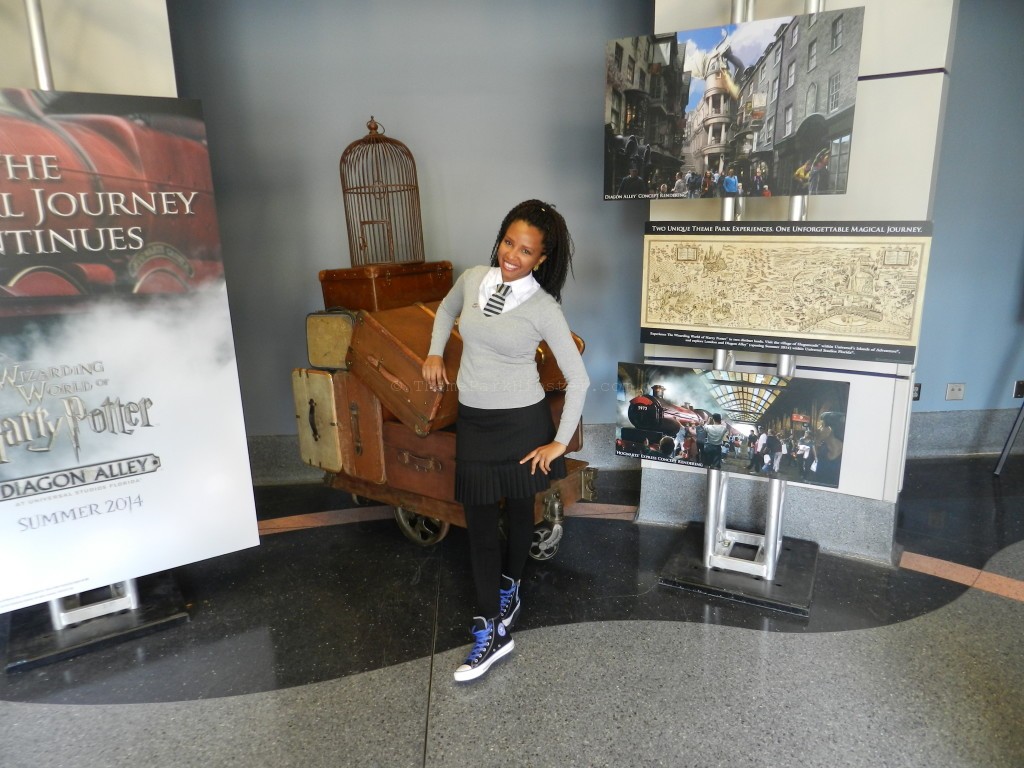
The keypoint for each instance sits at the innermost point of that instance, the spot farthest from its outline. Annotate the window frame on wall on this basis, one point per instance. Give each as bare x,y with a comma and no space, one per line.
839,162
791,75
837,33
811,99
812,55
787,116
834,85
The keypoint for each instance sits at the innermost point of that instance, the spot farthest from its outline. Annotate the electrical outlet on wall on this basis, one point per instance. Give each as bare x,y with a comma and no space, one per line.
1018,388
955,391
917,392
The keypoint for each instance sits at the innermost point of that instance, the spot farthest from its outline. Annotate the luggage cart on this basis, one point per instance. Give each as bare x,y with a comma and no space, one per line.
426,521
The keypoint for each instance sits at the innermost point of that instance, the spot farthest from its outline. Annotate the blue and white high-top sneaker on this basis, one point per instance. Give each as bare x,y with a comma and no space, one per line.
492,640
510,603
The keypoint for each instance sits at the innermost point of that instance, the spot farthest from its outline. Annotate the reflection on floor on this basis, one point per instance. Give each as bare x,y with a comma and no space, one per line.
337,595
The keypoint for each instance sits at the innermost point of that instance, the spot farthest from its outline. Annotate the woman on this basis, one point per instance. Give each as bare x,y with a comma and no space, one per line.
828,452
506,444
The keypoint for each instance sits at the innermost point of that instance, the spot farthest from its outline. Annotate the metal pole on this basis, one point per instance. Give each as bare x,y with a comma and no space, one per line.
37,37
724,358
773,526
1010,440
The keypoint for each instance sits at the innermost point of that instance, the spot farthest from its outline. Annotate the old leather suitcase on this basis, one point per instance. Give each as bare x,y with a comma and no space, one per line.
387,353
328,336
386,286
339,423
423,465
426,465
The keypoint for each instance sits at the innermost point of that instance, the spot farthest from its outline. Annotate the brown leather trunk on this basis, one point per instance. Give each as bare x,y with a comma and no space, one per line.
426,465
423,465
387,353
328,336
385,286
339,423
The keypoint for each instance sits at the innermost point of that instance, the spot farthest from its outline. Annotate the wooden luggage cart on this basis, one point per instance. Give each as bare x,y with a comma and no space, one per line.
426,520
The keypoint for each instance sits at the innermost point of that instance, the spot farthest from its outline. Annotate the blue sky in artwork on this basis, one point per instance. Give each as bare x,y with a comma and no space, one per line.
748,41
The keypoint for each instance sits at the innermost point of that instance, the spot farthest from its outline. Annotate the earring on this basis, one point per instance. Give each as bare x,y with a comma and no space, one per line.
536,267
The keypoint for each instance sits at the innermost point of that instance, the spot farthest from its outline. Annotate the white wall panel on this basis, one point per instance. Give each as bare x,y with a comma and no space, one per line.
106,46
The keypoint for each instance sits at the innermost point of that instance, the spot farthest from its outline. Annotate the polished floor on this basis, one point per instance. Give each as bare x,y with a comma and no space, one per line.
333,644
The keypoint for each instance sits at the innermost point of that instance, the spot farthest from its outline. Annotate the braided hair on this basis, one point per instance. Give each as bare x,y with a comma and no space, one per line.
558,246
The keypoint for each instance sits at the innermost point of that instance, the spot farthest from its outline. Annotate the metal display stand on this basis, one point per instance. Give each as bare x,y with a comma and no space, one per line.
740,565
78,623
1010,440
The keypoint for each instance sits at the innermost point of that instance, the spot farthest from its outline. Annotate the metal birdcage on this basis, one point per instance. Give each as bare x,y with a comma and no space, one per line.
382,200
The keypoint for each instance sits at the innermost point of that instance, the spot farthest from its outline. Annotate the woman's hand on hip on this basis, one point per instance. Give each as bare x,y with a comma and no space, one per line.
543,456
434,374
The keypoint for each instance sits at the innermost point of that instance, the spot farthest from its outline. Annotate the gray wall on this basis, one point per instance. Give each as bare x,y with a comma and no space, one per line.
973,323
500,101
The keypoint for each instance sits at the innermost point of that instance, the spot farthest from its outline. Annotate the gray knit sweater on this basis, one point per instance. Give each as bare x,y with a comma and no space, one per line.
498,367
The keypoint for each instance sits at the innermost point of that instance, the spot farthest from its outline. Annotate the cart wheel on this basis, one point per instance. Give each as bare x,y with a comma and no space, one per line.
545,542
421,530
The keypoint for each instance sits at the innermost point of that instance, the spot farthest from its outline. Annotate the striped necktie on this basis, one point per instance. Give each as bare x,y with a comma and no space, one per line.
497,301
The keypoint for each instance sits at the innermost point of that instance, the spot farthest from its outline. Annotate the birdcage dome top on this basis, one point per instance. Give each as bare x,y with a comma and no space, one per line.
381,194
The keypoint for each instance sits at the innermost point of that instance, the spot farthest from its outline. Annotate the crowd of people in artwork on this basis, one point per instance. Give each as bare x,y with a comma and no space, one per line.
810,177
812,457
804,455
665,431
694,185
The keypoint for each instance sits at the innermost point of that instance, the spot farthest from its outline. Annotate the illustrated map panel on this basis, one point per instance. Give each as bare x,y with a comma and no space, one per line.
850,290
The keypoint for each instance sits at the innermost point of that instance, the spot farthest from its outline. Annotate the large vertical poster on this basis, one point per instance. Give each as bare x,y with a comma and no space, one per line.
122,444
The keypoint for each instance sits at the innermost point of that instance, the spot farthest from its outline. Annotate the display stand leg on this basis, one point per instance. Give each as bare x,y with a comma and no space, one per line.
766,569
1010,440
70,626
66,611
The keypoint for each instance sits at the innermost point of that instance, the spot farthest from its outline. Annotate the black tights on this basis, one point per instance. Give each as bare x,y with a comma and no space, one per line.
488,559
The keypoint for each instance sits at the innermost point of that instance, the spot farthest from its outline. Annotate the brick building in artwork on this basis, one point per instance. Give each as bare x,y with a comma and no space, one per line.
795,104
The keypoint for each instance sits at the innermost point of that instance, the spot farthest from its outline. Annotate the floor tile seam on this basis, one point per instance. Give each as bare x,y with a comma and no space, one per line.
360,514
973,578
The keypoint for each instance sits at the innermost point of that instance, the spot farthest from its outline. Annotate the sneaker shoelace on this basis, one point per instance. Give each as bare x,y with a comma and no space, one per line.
483,638
507,596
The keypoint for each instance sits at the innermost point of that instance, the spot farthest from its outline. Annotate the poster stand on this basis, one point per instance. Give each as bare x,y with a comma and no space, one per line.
92,620
1010,440
78,623
718,568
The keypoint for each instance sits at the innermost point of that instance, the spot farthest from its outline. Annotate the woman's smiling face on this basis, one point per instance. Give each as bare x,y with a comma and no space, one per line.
520,250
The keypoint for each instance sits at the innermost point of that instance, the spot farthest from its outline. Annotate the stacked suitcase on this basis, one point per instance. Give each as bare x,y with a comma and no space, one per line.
362,411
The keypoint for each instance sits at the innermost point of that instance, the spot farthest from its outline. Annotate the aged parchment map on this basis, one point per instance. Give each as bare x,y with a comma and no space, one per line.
864,289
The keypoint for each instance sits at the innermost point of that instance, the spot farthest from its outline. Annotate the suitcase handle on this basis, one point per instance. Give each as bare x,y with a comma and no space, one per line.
419,463
396,383
312,420
353,418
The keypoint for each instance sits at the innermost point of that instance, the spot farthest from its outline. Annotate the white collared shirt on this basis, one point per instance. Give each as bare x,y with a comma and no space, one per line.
522,289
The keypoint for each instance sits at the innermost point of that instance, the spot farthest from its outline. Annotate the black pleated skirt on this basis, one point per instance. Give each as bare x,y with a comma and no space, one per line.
490,443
